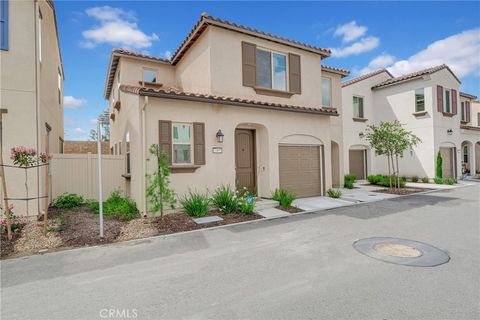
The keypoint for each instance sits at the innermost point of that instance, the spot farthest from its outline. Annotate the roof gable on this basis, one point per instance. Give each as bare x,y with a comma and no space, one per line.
366,76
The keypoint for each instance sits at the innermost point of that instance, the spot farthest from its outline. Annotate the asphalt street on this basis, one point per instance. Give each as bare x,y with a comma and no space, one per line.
299,267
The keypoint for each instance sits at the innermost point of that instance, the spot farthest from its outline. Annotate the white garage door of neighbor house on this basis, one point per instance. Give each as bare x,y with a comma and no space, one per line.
301,170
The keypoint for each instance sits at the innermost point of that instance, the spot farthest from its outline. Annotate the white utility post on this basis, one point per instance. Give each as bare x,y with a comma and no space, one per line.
100,187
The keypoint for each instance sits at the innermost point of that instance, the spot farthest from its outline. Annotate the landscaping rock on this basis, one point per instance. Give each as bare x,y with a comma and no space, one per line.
137,229
32,239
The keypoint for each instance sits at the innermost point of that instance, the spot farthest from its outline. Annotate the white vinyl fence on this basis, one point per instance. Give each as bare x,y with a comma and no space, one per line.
78,173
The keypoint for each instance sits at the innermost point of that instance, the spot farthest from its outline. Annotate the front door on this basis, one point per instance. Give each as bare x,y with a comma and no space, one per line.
245,159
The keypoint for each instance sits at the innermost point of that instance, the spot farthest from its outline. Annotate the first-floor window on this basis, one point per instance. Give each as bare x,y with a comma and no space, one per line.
448,101
182,143
465,154
419,100
358,107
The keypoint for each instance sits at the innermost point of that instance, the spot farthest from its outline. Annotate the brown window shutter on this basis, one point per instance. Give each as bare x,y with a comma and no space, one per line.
467,111
249,64
165,138
439,98
294,73
454,101
198,143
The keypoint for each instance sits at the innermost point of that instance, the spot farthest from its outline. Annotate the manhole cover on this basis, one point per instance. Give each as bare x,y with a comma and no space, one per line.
401,251
397,250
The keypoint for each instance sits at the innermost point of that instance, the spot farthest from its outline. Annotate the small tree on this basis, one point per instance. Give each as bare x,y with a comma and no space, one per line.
158,191
403,140
438,169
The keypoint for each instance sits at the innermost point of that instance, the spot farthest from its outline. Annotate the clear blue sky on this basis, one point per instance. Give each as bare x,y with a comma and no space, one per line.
404,36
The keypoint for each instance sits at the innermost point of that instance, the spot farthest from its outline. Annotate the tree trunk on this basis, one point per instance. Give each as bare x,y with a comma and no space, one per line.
389,171
398,171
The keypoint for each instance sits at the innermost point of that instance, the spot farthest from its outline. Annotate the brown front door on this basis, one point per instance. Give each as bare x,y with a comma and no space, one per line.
245,158
357,162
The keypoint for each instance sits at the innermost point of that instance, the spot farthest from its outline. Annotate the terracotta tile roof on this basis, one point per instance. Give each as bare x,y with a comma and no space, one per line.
174,93
342,72
415,75
468,95
365,76
206,19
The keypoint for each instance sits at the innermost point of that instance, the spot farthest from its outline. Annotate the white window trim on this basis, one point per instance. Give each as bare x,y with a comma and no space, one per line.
271,67
149,69
329,80
190,143
363,106
424,104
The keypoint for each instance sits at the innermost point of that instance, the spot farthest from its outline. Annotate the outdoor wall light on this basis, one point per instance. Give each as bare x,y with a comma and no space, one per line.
361,135
449,132
219,136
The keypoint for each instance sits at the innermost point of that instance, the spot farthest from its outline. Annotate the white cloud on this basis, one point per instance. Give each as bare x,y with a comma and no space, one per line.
167,54
117,28
71,102
363,45
460,52
379,62
79,131
350,31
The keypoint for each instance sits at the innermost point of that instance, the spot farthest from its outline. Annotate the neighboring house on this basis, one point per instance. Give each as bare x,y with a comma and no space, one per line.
31,87
428,103
71,146
233,106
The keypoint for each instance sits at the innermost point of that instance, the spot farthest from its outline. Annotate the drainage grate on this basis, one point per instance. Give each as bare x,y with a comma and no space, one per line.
401,251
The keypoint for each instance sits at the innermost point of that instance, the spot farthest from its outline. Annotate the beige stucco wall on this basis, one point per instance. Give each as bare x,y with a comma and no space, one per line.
29,92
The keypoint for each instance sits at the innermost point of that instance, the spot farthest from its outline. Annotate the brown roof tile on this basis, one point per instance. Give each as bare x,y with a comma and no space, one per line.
365,76
468,95
174,93
415,75
342,72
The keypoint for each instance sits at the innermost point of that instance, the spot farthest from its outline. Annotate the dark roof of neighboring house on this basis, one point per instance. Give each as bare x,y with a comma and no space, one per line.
415,75
173,93
468,95
365,76
342,72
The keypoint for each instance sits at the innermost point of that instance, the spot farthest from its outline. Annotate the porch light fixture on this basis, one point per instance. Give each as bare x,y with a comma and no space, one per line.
449,132
219,136
361,135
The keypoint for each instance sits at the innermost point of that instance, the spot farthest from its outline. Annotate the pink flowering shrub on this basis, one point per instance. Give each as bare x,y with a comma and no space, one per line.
27,157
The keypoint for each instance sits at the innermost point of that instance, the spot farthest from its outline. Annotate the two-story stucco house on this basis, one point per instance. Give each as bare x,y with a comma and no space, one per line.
233,105
31,84
428,103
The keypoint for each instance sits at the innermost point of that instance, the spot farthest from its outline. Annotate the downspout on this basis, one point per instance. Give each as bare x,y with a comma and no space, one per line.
144,158
36,9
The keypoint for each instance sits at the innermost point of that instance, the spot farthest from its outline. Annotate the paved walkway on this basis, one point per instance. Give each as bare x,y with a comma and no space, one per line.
300,267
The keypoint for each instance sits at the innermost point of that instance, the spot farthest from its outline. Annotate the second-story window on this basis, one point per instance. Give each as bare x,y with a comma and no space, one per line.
358,107
326,92
462,111
271,70
149,76
420,100
448,101
4,25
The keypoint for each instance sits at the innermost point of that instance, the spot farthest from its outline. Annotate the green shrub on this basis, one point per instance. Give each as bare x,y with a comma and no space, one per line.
438,180
247,203
403,178
284,197
425,180
334,193
195,204
349,179
116,206
375,179
348,184
384,181
225,199
414,179
438,168
68,201
449,181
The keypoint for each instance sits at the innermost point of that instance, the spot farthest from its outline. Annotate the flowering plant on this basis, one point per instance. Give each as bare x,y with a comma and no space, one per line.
27,157
247,203
15,222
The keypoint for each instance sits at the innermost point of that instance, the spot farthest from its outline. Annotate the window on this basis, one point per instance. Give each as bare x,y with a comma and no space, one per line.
465,154
478,119
149,76
127,151
182,143
358,107
4,25
326,92
40,18
420,100
271,70
448,101
59,87
463,111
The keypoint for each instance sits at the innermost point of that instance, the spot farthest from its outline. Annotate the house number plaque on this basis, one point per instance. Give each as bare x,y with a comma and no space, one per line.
217,150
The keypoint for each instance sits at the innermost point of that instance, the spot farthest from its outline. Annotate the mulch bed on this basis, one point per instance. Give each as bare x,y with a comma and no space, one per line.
178,222
7,247
402,191
290,210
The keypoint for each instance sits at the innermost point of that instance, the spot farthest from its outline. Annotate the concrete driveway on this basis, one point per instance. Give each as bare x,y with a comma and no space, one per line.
300,267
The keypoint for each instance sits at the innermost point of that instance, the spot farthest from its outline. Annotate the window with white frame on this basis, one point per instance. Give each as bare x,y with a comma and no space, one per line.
465,154
463,112
182,143
326,92
149,76
127,151
420,100
447,106
271,70
358,107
